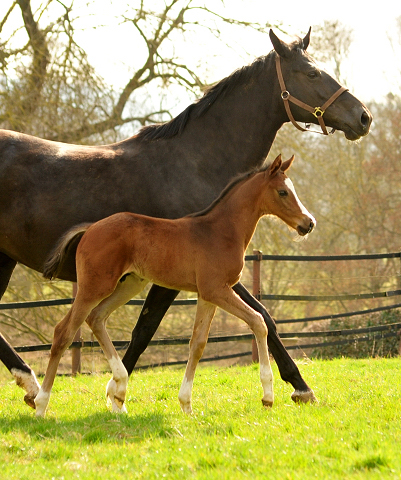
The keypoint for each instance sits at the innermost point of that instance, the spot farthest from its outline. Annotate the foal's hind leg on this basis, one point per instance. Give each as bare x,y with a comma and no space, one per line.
228,300
62,338
117,386
204,315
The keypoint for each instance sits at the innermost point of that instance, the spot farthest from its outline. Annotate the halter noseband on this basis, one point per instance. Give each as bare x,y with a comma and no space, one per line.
317,111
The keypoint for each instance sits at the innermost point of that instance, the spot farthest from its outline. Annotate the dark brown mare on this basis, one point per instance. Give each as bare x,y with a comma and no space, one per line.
203,253
166,171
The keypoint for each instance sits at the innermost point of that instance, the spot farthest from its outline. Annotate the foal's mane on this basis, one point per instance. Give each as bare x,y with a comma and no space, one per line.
242,177
199,107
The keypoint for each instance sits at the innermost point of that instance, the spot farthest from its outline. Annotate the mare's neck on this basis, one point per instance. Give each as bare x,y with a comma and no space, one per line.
236,132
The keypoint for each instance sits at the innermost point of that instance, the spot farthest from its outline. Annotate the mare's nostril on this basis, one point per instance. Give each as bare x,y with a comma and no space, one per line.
366,119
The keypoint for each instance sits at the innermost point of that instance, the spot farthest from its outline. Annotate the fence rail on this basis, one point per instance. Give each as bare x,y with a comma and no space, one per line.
394,329
391,330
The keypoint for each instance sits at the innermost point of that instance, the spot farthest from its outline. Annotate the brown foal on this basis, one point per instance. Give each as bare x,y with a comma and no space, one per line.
203,253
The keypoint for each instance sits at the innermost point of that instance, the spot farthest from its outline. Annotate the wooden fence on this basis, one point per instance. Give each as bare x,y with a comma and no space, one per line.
364,334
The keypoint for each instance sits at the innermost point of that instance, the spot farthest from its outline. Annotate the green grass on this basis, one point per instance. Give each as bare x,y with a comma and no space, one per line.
354,432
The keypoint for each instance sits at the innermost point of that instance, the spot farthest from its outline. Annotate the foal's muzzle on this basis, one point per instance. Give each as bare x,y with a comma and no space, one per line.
304,231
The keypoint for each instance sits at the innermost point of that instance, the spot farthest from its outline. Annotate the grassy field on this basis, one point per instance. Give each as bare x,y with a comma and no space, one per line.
354,432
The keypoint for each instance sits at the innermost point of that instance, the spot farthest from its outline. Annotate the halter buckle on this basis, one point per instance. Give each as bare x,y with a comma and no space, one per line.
285,95
318,112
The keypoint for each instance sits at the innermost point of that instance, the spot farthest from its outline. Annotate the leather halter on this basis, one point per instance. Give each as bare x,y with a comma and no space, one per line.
317,111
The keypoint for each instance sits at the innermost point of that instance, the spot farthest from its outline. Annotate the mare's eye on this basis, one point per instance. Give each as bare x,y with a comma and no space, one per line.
282,193
313,74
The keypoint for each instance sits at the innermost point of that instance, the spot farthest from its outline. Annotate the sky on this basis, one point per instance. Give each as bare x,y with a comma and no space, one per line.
372,70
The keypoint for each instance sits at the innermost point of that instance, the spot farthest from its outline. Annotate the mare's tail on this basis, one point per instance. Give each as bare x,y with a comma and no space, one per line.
56,259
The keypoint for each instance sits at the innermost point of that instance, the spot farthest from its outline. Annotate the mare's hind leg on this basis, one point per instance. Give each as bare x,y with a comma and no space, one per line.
228,300
155,307
23,374
63,335
125,290
204,315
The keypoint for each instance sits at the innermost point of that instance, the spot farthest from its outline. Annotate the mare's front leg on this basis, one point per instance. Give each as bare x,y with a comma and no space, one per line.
156,305
229,301
23,374
63,336
117,387
204,315
289,372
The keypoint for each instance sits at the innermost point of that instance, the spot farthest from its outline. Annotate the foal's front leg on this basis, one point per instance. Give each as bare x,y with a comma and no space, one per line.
229,301
204,315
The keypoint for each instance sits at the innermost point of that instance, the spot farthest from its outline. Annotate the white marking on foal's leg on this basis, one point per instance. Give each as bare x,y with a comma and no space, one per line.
185,395
117,387
41,402
29,383
266,378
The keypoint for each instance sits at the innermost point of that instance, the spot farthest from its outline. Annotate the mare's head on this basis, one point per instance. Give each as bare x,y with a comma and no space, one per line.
281,200
305,81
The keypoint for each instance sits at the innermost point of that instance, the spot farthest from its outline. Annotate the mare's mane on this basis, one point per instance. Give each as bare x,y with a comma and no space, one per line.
240,76
242,177
199,107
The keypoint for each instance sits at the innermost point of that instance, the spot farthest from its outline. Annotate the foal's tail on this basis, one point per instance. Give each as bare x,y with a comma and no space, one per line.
67,242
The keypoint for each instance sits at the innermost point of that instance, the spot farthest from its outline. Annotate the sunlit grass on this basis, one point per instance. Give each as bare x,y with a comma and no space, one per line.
354,431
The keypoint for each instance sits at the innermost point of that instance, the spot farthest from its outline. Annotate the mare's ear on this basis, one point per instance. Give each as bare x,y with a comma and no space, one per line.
281,47
306,39
287,164
275,166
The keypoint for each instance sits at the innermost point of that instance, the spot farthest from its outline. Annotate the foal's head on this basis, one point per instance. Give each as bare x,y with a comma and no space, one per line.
280,198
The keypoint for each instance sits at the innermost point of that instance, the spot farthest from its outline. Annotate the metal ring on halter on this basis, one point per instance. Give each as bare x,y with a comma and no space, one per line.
318,112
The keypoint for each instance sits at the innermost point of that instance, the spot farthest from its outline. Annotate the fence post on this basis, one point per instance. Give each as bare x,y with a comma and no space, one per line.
256,291
76,351
399,345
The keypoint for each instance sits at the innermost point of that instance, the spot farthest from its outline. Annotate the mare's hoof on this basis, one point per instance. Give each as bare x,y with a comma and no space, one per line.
29,399
304,397
29,383
267,403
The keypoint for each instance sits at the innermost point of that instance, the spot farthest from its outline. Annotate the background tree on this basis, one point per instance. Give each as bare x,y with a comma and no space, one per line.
50,89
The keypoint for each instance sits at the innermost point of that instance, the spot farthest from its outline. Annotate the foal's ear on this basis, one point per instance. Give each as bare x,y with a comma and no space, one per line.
306,39
287,164
281,47
275,166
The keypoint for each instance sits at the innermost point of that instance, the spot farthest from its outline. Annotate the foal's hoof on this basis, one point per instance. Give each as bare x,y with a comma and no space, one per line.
116,404
186,407
304,397
119,405
267,403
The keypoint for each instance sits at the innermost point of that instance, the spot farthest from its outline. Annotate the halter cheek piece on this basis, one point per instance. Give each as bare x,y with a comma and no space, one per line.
317,111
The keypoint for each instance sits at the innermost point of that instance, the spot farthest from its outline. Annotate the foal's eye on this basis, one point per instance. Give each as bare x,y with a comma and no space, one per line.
282,193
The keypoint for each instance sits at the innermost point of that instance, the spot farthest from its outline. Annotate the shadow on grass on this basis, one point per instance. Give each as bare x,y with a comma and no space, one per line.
97,428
